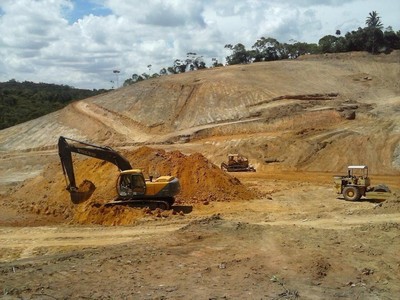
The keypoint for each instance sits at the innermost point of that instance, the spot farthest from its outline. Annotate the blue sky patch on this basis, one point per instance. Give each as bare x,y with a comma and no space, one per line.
83,8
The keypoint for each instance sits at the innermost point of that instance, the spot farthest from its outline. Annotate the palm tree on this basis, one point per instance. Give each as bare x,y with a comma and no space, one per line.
374,21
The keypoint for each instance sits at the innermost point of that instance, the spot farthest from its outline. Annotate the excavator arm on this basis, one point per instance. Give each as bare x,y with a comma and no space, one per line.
65,150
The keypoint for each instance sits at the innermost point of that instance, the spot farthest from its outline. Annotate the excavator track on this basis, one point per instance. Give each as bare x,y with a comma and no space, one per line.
152,204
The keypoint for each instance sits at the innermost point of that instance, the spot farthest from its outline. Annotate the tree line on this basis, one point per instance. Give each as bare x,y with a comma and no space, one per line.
371,38
24,101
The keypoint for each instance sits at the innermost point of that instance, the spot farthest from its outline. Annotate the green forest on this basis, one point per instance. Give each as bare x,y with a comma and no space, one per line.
24,101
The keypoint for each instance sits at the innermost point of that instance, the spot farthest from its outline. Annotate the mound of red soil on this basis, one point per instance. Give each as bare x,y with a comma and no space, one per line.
200,179
201,182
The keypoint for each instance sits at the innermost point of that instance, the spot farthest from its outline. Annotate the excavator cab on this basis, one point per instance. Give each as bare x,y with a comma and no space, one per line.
131,183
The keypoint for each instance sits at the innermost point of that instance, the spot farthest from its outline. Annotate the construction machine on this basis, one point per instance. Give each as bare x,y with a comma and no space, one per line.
131,186
357,184
237,163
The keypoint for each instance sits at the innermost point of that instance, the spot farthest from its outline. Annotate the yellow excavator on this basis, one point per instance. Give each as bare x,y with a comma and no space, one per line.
132,187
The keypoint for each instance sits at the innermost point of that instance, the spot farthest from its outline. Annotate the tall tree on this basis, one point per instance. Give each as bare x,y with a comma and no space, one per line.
216,63
194,62
267,49
240,55
179,66
374,26
374,21
327,44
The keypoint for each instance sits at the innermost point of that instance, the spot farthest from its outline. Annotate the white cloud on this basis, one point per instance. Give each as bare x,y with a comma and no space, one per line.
40,41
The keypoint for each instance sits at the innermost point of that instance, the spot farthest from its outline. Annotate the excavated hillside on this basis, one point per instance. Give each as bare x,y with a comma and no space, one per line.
316,113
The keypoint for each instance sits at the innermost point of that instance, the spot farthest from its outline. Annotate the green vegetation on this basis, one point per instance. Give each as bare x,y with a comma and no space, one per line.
24,101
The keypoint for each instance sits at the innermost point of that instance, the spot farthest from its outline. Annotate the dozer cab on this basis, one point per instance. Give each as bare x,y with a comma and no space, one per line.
356,184
237,163
131,186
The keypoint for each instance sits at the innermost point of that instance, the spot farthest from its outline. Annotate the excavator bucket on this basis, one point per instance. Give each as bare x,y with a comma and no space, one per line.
84,192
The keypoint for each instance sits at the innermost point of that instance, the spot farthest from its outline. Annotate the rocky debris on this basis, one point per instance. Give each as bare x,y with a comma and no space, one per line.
348,110
348,114
391,204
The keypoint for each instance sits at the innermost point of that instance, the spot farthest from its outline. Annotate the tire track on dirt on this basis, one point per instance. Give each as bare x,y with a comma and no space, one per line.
28,241
340,223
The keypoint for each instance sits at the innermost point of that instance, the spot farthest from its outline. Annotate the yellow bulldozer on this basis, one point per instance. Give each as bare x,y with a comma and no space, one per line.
237,163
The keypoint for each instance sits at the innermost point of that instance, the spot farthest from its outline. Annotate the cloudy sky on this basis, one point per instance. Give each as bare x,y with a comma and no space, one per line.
80,43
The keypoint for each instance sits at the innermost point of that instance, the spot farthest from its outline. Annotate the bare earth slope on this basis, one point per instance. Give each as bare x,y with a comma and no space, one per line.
299,106
279,233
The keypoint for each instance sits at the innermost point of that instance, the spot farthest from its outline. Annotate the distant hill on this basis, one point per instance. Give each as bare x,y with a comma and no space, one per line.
24,101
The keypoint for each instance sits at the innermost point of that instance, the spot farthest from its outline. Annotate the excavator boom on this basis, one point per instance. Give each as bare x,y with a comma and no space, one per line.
65,150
